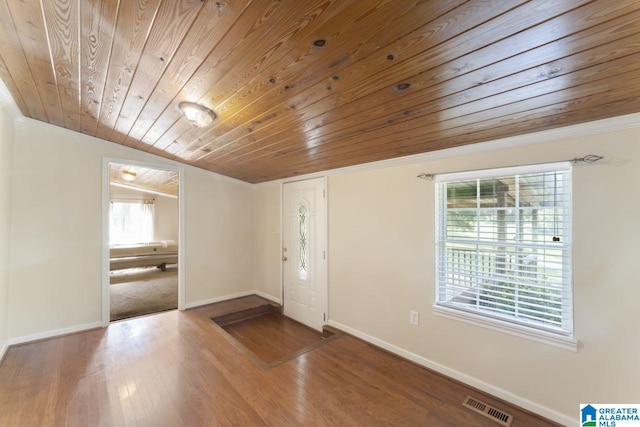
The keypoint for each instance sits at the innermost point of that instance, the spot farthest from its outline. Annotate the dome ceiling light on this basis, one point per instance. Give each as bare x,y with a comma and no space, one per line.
128,175
198,115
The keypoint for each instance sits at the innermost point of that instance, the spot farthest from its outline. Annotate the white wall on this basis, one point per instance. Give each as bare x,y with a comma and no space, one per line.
165,220
165,211
268,240
220,226
381,266
55,278
6,183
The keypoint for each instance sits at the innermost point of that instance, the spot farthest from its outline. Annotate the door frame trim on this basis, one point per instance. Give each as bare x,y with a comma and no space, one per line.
325,267
106,161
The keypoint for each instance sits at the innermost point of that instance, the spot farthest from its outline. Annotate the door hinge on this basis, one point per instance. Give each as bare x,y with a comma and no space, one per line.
325,317
324,255
324,193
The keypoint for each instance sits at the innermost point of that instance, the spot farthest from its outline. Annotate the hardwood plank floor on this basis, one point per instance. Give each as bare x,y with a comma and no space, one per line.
176,368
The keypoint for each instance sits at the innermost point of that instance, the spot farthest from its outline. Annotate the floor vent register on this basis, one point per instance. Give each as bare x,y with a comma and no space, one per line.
488,411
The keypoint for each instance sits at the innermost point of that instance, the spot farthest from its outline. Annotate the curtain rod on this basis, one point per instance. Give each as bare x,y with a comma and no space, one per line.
131,199
589,158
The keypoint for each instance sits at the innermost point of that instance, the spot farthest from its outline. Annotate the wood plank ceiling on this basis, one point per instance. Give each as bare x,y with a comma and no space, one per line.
300,86
144,179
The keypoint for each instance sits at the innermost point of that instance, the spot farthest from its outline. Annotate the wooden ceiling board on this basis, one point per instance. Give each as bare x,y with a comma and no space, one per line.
386,100
467,114
388,96
95,50
306,69
132,27
239,37
20,83
11,85
236,68
302,68
550,117
357,69
213,22
171,24
301,86
33,40
62,26
596,63
498,127
472,122
158,180
369,86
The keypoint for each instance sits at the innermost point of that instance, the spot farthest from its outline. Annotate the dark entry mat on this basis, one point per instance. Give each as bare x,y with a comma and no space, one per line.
268,337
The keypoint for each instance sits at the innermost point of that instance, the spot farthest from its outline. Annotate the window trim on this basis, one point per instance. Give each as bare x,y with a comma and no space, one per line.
561,338
539,335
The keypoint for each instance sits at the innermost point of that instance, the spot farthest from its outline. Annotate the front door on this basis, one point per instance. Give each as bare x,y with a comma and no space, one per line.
304,252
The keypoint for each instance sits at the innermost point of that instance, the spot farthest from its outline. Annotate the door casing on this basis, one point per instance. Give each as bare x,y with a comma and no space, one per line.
106,161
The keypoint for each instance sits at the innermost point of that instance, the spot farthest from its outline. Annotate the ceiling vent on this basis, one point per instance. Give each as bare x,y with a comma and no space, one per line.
488,411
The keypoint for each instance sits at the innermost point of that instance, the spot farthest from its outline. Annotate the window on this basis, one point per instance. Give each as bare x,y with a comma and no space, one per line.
503,248
131,221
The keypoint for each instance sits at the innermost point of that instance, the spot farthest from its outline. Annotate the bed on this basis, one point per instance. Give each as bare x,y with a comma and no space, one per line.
152,254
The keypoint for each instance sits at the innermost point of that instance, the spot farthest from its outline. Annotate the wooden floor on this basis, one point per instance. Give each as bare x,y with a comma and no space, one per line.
177,369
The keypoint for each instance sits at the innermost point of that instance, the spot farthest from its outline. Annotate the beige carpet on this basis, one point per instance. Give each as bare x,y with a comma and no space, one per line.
138,291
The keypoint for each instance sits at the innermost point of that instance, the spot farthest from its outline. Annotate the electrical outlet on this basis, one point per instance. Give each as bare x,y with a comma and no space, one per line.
414,318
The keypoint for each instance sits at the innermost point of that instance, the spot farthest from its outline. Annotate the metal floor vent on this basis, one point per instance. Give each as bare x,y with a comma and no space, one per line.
488,411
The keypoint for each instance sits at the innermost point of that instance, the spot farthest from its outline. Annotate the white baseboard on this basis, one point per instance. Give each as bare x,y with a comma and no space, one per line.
3,350
79,328
54,333
467,379
217,299
195,304
267,296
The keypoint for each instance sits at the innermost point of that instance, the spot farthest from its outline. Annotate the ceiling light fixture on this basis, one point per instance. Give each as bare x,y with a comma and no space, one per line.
198,115
127,175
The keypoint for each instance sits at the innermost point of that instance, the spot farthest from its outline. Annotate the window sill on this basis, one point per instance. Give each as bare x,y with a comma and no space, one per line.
544,337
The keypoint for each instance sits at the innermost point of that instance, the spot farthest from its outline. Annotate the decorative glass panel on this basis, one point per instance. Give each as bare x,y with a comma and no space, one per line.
302,228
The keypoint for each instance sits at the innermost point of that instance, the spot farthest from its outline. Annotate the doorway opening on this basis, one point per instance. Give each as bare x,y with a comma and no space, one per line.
141,228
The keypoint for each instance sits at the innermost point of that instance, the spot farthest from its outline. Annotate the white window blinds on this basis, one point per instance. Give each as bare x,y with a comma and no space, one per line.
503,245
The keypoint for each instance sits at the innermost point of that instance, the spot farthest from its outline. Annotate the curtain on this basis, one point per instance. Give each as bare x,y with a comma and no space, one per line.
146,221
131,221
